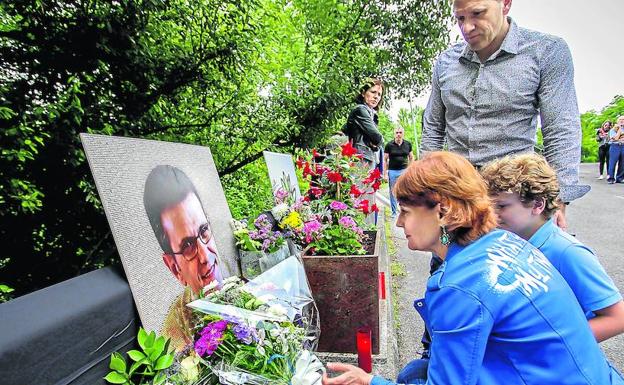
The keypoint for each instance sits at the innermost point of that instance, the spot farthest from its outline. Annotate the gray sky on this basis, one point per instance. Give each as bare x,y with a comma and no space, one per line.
594,31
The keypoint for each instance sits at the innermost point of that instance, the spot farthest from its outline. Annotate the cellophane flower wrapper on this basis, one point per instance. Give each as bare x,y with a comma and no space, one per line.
261,332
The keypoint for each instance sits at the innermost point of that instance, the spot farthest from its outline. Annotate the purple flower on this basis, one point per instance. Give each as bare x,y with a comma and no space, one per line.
210,338
347,222
244,333
261,221
337,205
220,325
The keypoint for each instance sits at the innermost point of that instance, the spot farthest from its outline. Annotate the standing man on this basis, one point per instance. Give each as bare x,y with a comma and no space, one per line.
397,156
488,92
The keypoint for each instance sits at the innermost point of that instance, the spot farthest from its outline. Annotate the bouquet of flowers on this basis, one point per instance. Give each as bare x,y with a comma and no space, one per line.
254,333
260,247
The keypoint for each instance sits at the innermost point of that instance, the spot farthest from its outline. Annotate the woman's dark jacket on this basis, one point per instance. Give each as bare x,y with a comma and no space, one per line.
361,128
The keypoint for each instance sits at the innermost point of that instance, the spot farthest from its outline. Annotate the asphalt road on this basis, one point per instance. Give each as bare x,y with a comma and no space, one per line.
596,219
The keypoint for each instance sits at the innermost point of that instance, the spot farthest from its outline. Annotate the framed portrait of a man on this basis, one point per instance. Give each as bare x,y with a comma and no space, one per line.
171,223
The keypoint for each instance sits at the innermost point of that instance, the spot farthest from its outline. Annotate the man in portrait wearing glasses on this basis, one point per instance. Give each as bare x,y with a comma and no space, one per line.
185,237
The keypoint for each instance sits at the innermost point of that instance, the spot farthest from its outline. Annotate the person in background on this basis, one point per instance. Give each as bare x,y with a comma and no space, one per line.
497,309
525,193
602,137
361,127
616,152
397,156
488,91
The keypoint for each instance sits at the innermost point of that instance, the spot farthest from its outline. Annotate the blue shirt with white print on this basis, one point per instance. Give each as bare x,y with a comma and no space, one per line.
499,312
590,283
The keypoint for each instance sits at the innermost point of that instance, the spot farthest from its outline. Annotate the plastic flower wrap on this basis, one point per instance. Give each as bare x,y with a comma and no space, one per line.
259,332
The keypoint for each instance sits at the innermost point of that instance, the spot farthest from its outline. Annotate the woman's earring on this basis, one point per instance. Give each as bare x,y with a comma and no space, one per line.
445,237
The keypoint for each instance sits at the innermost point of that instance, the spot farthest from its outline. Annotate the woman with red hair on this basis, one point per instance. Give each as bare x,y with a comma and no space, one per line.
497,310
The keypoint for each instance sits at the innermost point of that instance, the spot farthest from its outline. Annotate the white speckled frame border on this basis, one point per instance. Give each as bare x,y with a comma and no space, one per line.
120,167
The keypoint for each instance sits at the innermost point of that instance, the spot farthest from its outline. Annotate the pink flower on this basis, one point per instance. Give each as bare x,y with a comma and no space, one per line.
337,205
347,222
311,229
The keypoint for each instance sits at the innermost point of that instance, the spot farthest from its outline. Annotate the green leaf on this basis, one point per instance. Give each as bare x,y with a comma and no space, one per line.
116,378
157,349
149,341
164,362
117,363
142,337
136,355
136,365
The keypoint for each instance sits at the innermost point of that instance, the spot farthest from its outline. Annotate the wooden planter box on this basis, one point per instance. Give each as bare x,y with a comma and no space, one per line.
346,291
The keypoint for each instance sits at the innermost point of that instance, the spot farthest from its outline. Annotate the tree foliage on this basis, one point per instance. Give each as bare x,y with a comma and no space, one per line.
237,76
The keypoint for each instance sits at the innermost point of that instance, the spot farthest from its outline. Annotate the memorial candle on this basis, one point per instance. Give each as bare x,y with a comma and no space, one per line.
365,349
382,285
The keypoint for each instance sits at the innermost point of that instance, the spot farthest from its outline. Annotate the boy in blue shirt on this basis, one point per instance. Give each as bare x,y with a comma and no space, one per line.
525,193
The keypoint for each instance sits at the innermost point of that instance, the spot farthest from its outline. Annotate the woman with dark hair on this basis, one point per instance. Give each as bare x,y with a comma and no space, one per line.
361,126
497,310
602,137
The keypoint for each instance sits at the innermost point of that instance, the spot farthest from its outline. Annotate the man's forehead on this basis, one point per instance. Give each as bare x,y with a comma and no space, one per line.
460,6
187,210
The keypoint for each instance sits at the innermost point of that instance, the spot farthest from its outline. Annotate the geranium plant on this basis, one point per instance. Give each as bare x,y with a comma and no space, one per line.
330,218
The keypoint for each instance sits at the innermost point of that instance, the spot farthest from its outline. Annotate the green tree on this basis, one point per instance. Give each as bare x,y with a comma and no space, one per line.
238,76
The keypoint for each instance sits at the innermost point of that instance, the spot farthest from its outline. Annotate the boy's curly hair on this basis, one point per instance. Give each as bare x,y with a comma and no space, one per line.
527,175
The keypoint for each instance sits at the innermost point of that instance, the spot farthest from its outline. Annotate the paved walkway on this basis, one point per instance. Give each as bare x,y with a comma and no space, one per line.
590,219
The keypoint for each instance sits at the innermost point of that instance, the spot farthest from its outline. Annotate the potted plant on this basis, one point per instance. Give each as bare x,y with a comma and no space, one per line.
260,247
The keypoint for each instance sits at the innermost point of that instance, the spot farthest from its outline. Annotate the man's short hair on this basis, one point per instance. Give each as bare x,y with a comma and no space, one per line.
165,186
527,175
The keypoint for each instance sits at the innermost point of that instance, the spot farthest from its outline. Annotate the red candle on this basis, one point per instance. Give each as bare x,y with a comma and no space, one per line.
365,349
382,285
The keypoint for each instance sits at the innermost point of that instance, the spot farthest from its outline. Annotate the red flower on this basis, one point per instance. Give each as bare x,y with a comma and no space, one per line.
316,191
374,208
334,176
348,149
314,153
299,162
307,170
372,176
376,185
320,169
355,191
363,206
